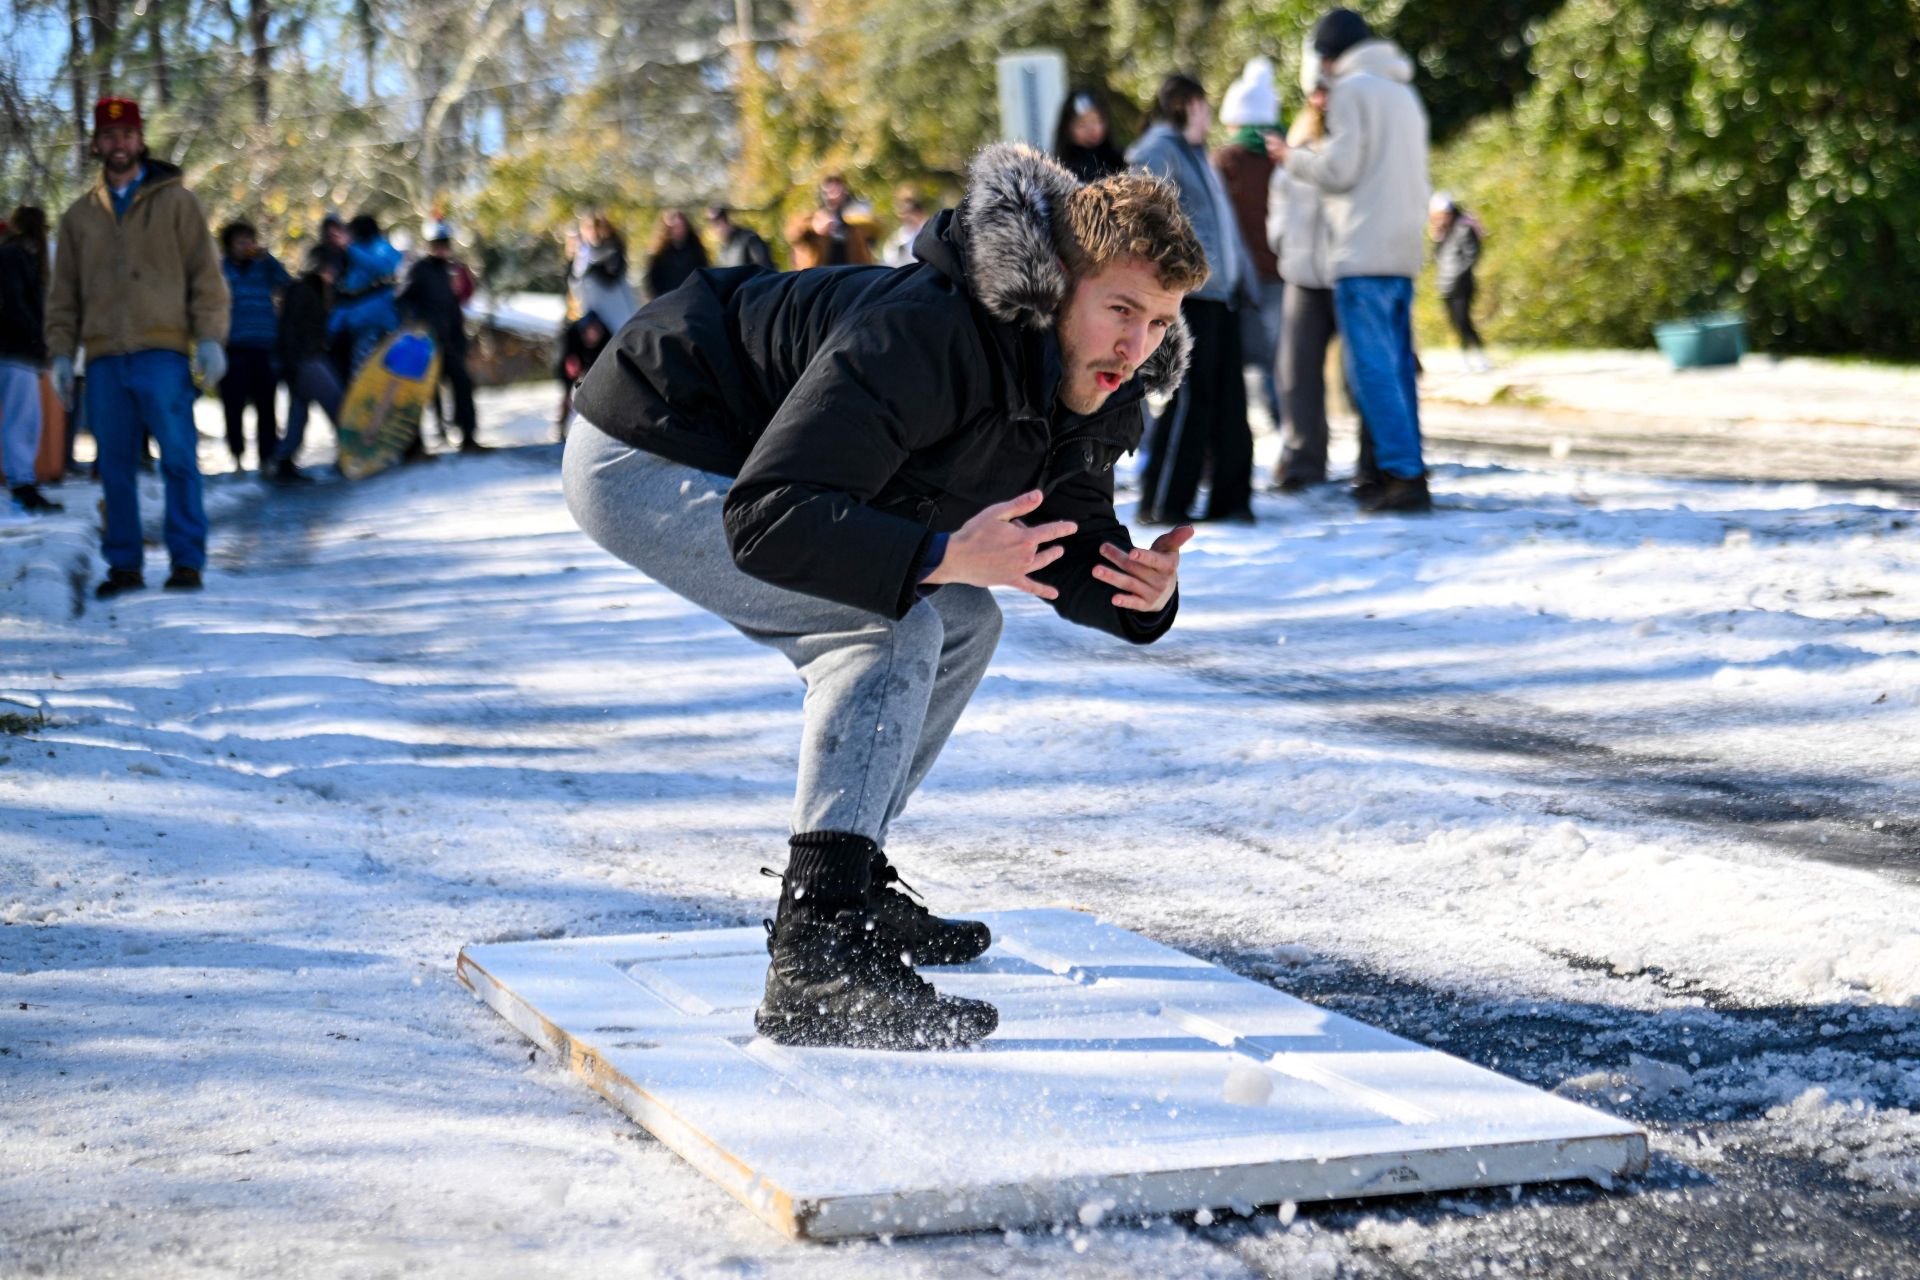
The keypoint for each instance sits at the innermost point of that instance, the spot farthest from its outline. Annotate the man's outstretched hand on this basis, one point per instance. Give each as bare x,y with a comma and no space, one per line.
1146,576
995,549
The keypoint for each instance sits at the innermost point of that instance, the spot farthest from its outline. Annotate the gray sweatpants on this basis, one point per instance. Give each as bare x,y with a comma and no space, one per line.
882,696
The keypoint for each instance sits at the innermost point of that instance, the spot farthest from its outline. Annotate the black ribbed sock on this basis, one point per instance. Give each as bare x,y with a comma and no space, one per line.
829,869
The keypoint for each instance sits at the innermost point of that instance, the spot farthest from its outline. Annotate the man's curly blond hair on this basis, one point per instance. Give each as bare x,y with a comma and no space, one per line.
1133,215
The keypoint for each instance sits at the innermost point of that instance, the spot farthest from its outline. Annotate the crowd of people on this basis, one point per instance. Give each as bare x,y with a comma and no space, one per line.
1310,232
134,301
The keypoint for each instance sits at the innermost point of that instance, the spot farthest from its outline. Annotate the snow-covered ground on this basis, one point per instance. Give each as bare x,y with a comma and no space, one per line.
1603,780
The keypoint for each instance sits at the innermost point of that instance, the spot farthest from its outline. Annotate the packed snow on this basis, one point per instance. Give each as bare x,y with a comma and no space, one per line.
1604,780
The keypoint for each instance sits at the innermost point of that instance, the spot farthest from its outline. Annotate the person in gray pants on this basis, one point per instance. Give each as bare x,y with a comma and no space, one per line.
1298,233
841,463
882,694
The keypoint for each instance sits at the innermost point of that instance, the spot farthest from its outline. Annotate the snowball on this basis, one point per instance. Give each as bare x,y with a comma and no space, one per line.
1247,1086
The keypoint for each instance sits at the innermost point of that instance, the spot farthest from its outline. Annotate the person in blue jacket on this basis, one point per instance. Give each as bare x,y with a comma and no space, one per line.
255,279
364,299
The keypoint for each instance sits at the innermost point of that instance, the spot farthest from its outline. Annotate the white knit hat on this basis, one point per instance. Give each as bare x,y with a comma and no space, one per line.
1251,99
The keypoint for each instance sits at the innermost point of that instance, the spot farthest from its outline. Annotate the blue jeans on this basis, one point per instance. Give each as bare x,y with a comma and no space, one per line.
147,392
1376,329
313,382
1260,328
19,421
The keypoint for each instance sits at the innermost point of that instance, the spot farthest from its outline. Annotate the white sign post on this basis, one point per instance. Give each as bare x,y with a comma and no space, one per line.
1033,84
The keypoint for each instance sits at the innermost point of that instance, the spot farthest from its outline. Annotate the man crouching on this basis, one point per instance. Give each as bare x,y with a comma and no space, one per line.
840,462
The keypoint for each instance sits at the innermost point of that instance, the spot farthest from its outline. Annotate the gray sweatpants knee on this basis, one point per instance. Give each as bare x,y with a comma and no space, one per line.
883,695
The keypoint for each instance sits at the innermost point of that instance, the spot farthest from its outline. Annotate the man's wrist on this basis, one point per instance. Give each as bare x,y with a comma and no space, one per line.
935,556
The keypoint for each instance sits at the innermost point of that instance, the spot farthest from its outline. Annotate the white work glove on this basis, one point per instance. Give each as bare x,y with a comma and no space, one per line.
63,379
213,363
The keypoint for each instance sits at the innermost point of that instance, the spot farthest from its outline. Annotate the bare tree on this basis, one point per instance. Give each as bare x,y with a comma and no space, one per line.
77,30
157,52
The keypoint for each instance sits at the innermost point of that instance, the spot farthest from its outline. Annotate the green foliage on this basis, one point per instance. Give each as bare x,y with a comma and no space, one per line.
1574,256
1757,157
1471,57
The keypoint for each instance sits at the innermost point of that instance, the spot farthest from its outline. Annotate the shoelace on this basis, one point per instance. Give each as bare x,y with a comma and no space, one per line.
889,876
875,959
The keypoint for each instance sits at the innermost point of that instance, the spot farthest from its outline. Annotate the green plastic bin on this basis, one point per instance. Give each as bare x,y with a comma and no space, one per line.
1701,341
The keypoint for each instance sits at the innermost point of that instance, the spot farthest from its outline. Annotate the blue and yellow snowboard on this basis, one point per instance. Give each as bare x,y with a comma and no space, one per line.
381,417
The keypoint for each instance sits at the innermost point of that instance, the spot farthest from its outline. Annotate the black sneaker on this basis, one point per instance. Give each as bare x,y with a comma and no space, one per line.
30,500
838,979
1397,493
928,938
119,582
183,578
286,473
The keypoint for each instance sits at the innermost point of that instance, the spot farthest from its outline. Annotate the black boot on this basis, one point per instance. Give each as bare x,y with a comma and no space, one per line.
928,938
1295,482
838,977
119,582
30,500
1398,493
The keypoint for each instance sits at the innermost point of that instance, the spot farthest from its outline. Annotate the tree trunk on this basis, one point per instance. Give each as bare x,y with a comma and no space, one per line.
363,20
450,90
258,11
157,50
77,80
103,21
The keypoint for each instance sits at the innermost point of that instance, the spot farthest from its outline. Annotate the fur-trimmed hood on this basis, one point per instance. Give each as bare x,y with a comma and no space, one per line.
1006,237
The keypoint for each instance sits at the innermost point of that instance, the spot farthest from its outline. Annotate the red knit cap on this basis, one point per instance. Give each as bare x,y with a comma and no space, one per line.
116,113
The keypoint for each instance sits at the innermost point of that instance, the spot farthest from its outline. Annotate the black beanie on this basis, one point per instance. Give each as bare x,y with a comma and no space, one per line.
1338,32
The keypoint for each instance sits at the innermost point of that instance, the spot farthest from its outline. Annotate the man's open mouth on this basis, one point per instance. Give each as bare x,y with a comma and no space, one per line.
1108,380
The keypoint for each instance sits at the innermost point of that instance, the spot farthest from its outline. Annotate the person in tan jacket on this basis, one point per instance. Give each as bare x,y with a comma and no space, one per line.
137,283
838,233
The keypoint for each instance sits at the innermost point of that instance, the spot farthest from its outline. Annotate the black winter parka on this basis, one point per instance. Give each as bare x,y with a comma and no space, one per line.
303,322
429,299
861,410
